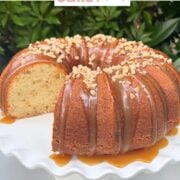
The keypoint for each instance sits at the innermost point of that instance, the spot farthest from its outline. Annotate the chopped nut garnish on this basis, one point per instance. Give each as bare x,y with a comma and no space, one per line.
76,57
136,89
92,92
131,56
132,96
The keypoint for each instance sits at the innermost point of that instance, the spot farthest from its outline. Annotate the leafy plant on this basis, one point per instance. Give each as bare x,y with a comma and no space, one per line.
163,30
40,22
1,48
103,19
177,64
155,23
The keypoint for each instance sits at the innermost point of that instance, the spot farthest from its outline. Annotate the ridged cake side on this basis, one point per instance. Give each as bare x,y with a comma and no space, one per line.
134,93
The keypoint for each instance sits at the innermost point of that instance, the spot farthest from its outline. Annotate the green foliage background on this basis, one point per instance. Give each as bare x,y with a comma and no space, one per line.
155,23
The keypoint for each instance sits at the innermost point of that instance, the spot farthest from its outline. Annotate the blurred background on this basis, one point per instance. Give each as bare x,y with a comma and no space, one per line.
155,23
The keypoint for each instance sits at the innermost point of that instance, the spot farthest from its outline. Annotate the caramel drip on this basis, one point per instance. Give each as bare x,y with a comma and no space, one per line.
104,50
90,105
80,54
150,96
163,99
91,51
173,132
127,131
119,114
67,62
84,53
61,159
64,114
7,120
115,92
74,51
138,104
107,60
92,119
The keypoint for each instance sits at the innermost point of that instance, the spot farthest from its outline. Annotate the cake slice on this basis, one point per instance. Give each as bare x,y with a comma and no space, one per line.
31,85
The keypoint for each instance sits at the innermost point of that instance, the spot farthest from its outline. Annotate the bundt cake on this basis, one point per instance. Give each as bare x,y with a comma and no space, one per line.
111,95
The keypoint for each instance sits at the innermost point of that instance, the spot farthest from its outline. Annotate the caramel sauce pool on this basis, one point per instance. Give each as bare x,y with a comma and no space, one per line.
60,159
121,160
7,120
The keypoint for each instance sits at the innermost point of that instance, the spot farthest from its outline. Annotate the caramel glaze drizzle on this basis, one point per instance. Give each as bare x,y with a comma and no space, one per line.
141,79
152,84
90,106
115,92
134,123
63,113
119,114
107,60
163,99
128,129
84,52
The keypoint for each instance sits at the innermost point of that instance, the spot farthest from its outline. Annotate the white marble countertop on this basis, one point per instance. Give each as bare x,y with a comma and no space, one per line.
11,169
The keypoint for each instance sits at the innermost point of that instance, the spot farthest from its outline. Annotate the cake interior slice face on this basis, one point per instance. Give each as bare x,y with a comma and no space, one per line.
33,90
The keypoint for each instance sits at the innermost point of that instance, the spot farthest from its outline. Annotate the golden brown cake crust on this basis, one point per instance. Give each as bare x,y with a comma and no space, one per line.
118,96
